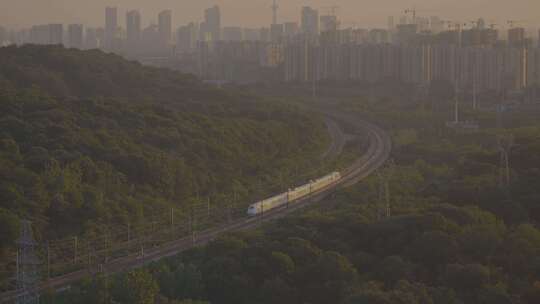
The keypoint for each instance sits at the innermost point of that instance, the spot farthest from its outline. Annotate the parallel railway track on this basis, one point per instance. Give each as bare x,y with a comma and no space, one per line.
376,155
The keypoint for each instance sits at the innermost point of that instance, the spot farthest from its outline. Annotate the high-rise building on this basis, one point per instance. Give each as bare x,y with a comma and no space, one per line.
252,34
516,37
264,34
436,25
75,36
329,23
92,38
406,32
232,33
3,35
481,24
276,32
379,36
133,27
165,26
291,29
212,22
186,38
423,24
39,34
403,20
111,25
391,23
310,21
150,40
56,34
471,37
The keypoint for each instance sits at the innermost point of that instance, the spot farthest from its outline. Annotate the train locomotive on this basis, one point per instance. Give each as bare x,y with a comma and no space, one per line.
293,194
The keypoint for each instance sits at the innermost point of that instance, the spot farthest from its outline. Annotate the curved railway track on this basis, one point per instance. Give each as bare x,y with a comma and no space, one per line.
376,155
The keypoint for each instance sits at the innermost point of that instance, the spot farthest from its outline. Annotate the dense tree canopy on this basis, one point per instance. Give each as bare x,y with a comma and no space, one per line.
88,139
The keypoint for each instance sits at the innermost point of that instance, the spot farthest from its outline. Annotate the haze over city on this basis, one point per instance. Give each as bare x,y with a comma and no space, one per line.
366,13
269,151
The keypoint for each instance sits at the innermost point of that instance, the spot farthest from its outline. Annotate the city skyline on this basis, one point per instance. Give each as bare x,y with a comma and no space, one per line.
17,15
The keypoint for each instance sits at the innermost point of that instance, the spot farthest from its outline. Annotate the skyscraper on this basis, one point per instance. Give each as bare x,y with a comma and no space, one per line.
212,22
232,33
75,36
3,35
186,38
92,38
329,23
436,24
291,29
310,21
516,37
165,26
40,34
391,23
276,32
56,34
111,25
133,27
252,34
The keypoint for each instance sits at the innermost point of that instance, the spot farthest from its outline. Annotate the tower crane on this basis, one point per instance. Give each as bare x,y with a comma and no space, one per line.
513,23
412,11
331,9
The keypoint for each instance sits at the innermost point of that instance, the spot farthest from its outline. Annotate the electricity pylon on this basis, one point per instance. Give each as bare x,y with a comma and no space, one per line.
505,144
384,208
27,266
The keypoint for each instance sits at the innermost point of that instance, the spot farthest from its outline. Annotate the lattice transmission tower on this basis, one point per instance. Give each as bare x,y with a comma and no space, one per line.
27,266
384,175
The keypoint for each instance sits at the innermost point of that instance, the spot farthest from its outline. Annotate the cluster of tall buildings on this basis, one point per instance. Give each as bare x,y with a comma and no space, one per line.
415,50
132,39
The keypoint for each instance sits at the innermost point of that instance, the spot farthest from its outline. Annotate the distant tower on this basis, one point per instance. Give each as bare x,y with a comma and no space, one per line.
27,266
111,25
274,12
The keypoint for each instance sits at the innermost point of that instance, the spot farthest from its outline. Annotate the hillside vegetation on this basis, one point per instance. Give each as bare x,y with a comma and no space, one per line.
88,140
459,232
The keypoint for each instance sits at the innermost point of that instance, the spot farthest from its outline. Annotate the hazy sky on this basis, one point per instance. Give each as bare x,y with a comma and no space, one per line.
366,13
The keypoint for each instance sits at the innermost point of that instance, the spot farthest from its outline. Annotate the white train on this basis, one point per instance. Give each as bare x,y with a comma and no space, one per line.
293,194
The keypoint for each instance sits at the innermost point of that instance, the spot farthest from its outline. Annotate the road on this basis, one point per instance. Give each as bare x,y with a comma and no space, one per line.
376,155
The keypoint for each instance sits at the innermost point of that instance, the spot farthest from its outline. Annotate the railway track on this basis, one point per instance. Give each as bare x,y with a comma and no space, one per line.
376,155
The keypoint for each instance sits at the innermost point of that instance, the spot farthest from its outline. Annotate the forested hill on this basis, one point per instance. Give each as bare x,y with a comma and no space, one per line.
62,73
88,140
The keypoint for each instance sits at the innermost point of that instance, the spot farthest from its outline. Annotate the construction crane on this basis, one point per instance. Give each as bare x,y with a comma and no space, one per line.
513,23
413,12
332,10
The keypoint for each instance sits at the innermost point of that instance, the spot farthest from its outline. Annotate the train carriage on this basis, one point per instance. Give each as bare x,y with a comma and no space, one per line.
293,194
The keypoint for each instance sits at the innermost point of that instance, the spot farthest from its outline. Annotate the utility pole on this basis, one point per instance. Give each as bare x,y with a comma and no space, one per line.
172,219
505,144
48,261
475,80
456,104
208,208
75,250
27,266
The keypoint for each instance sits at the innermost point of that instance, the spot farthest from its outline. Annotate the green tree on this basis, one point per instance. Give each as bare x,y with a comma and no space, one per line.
136,287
